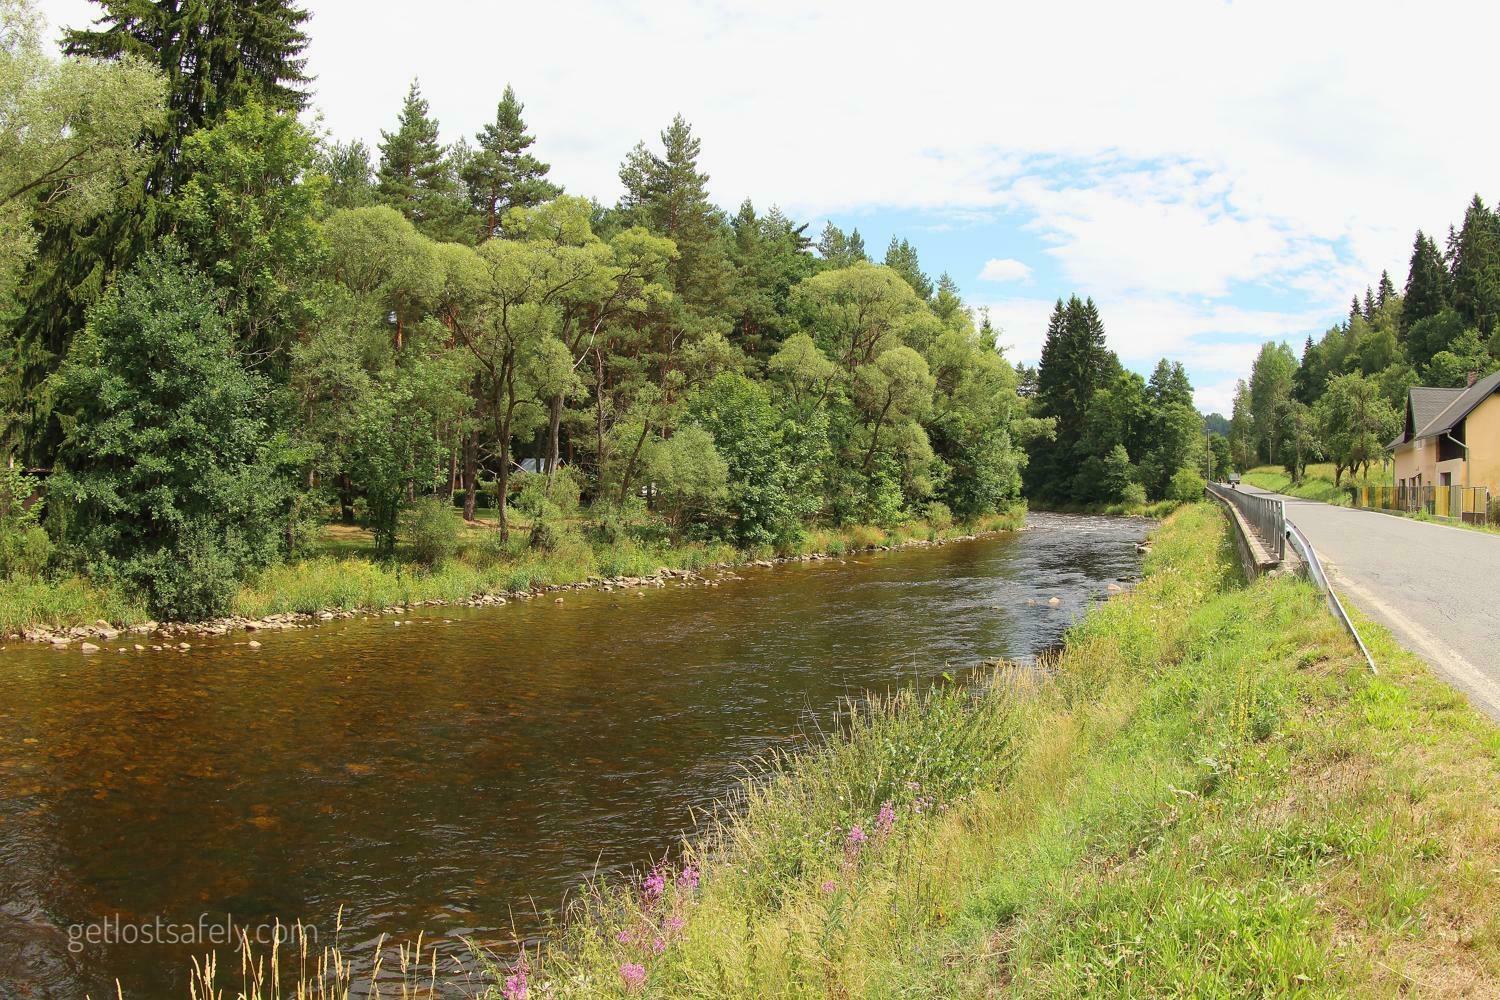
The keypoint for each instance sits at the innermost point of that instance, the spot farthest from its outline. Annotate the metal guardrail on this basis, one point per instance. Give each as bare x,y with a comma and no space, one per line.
1319,578
1269,514
1470,504
1266,516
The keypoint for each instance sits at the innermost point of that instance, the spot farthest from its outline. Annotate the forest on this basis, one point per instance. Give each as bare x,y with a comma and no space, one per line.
1344,399
225,329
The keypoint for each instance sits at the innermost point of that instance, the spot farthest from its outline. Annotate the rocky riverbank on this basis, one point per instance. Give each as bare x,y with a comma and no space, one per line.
102,635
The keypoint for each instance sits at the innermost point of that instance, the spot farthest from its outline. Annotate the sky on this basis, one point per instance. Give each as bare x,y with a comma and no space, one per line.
1213,174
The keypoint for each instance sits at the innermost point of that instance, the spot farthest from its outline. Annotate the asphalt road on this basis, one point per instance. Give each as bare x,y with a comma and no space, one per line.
1436,587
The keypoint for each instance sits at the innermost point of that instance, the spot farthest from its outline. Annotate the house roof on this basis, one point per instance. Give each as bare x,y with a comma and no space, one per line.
1433,411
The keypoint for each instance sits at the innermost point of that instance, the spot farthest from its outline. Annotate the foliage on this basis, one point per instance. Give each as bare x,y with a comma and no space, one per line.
431,529
172,476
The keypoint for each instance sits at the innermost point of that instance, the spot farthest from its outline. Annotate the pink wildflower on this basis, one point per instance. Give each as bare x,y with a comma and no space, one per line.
515,985
829,886
886,821
675,925
658,946
634,975
688,877
856,835
624,937
655,884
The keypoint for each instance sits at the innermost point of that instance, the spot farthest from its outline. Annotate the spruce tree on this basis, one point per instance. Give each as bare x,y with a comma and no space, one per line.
901,257
1386,292
501,174
1369,306
1475,260
414,176
1075,365
857,247
1426,283
833,245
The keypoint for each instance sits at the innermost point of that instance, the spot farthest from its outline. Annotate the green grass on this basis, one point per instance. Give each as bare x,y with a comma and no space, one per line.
1317,484
63,603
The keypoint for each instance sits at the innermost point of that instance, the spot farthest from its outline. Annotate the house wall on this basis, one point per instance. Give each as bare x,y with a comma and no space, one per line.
1483,431
1419,458
1405,462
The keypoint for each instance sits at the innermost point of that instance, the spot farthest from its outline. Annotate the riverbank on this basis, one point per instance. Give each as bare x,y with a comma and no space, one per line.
1211,795
348,584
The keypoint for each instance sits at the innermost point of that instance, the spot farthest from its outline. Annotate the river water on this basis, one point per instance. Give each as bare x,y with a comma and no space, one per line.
461,772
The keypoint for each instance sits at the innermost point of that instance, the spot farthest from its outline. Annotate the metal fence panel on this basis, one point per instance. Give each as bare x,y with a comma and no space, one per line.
1466,503
1267,516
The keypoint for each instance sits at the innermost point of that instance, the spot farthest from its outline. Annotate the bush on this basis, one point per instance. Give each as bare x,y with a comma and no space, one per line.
1186,485
24,552
939,517
431,531
1134,495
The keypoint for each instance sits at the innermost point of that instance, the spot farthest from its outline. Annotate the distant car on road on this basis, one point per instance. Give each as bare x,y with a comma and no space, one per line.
1234,480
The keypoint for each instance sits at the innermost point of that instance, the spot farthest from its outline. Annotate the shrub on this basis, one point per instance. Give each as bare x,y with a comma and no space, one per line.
939,517
431,531
1186,484
1134,495
24,552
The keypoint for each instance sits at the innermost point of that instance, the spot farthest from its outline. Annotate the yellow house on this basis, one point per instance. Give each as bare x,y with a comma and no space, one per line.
1451,437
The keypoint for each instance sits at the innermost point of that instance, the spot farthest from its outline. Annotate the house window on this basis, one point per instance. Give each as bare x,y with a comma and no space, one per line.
1445,479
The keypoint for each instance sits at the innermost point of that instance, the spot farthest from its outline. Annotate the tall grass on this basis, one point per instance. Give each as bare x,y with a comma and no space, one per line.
63,603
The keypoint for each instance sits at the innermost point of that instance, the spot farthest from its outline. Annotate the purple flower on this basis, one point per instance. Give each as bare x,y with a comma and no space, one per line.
655,884
886,821
829,886
856,836
658,946
688,877
634,975
675,925
624,937
515,985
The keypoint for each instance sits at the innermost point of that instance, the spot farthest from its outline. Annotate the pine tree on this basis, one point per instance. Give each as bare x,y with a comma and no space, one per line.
1426,283
1475,259
1369,306
1354,310
501,174
414,176
668,194
857,247
1304,380
901,257
1386,292
833,245
1075,365
948,304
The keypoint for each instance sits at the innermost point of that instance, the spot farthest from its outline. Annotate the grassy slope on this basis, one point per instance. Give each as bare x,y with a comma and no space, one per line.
344,575
1212,798
1317,484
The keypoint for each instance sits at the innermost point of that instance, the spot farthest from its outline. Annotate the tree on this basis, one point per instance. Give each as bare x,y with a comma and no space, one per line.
856,312
688,476
1354,423
414,176
1427,291
248,218
901,257
172,474
1295,437
1451,367
350,174
1221,457
1432,335
1271,380
1474,258
501,174
1075,365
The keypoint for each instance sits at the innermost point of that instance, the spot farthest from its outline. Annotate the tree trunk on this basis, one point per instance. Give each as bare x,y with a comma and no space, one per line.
346,498
471,473
635,454
554,421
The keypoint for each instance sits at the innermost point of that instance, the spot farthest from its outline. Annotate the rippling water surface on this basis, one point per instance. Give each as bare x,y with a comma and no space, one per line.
461,773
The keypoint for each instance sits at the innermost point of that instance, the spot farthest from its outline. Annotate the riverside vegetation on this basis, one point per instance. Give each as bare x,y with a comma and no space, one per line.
1206,794
221,330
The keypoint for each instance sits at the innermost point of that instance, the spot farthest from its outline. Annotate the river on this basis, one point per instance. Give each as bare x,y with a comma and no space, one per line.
461,772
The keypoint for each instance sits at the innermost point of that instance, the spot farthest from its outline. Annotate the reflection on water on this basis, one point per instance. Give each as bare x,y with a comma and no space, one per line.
460,773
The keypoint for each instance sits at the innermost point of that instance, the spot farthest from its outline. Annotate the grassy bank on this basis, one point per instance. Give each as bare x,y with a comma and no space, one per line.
343,573
1211,797
1317,484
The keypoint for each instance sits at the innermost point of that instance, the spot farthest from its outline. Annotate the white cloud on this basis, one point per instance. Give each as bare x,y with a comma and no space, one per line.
1004,269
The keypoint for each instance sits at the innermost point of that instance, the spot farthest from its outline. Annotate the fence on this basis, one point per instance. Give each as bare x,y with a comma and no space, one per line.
1266,516
1460,503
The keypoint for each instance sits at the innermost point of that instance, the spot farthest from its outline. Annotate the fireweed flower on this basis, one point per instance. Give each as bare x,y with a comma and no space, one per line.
829,886
688,877
634,975
856,836
655,884
675,925
624,937
658,946
515,985
886,821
